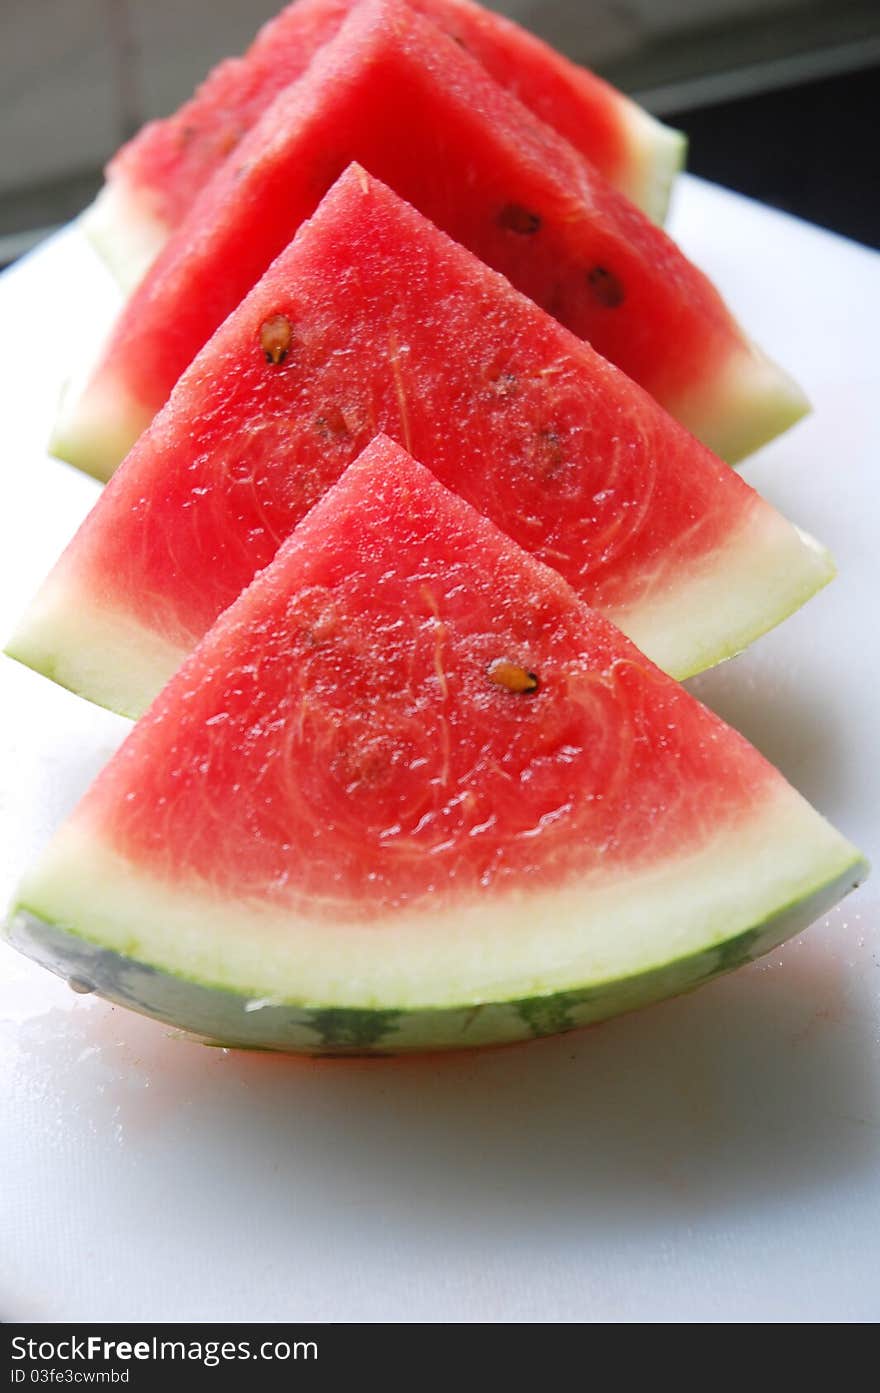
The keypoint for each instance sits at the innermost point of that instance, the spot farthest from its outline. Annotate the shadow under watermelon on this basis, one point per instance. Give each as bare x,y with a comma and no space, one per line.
756,1093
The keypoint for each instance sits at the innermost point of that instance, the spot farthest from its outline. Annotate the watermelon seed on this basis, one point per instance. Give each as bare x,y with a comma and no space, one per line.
275,336
512,676
606,287
515,218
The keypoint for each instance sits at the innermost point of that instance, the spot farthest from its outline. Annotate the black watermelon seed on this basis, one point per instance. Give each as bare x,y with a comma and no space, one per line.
515,218
606,287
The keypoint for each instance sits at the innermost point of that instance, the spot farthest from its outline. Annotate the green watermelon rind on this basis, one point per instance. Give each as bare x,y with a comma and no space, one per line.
221,1015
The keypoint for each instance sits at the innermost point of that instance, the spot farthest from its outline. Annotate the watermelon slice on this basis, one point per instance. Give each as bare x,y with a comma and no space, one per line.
154,180
373,320
410,793
408,103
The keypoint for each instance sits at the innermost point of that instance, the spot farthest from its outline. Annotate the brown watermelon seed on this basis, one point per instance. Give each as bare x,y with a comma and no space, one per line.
515,218
511,676
606,287
275,336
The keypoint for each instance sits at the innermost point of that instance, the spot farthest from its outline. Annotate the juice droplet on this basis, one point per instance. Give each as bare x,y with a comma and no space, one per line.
81,987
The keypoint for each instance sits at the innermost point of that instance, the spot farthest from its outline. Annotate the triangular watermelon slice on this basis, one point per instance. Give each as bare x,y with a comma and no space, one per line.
153,180
417,111
373,320
410,793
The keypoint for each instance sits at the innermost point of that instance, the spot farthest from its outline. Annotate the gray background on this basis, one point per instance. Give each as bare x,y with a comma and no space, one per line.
78,76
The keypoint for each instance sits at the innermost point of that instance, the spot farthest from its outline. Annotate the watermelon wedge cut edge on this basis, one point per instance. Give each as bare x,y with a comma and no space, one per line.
78,644
128,235
756,398
124,231
669,931
98,423
290,849
155,177
662,156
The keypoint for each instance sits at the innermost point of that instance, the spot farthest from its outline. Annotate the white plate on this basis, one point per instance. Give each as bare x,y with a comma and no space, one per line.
716,1158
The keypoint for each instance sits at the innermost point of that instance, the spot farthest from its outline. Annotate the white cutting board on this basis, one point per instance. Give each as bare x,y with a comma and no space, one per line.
716,1158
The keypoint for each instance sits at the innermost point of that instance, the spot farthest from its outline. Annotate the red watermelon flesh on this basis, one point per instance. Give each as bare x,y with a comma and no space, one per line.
373,320
404,100
371,644
161,171
408,772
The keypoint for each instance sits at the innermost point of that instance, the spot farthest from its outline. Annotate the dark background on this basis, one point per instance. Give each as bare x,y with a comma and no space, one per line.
810,149
778,97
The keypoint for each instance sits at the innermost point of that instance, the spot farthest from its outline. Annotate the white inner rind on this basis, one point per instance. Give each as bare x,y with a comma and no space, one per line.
98,652
128,236
502,946
98,422
729,597
656,155
691,619
734,410
124,231
740,408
